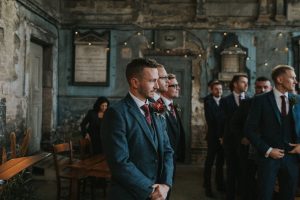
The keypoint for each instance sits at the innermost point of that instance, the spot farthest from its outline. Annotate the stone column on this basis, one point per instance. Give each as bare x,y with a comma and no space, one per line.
279,10
263,14
200,13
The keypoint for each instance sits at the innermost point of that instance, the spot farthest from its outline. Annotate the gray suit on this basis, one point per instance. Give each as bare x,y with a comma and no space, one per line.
135,158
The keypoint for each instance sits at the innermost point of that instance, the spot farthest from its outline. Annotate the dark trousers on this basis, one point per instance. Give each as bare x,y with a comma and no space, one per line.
214,152
232,173
248,170
286,169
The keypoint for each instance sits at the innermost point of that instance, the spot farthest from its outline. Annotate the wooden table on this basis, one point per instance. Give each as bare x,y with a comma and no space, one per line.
14,166
94,166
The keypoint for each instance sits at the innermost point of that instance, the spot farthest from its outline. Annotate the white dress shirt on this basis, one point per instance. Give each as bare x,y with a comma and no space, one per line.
139,102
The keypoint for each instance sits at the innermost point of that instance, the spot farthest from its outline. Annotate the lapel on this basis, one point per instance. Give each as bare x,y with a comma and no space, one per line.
271,98
158,130
136,113
172,121
232,102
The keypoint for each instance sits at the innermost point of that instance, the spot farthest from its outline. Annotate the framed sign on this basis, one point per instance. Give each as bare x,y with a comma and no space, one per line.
91,58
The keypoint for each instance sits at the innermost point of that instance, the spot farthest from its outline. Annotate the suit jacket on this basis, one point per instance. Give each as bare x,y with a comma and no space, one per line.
178,136
228,107
136,163
239,118
213,115
264,122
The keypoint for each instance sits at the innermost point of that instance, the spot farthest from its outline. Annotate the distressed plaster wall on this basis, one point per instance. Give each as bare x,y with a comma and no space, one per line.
262,28
18,26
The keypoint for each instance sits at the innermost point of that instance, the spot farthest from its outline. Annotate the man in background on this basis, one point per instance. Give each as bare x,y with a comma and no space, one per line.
246,152
215,150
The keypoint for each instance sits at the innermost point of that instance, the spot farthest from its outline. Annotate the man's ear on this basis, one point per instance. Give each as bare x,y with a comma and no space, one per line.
279,79
134,82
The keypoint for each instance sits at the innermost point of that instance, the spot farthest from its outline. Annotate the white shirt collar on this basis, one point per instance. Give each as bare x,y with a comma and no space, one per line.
138,102
167,102
277,93
156,96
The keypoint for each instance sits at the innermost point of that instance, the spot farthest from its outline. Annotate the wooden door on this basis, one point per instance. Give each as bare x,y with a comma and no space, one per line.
36,96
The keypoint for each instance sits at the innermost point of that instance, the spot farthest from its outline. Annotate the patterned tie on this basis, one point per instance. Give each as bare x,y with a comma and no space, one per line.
283,106
160,101
146,110
172,109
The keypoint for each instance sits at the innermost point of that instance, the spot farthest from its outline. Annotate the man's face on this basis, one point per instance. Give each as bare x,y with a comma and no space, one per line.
163,80
288,80
241,85
147,83
217,90
262,87
173,90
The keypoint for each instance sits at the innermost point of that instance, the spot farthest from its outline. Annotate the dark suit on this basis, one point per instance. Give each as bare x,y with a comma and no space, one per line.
266,128
247,163
213,115
228,107
135,158
176,135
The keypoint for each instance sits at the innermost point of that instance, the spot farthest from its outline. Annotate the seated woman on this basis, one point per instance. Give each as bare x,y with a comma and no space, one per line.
91,124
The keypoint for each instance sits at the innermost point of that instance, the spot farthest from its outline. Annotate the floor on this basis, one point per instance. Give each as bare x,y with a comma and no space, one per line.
187,186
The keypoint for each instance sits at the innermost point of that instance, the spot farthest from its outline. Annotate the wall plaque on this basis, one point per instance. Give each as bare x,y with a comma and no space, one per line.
91,55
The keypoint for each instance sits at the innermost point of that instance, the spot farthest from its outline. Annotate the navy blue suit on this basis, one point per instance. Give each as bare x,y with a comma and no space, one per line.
228,107
213,115
265,127
135,158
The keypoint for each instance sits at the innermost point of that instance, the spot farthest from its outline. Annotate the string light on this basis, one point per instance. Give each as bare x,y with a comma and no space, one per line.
90,44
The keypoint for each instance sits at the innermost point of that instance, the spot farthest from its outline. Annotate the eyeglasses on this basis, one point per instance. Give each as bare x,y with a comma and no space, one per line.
174,85
164,77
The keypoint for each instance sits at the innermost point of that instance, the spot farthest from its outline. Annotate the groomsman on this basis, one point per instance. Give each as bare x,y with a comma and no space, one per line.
174,125
135,141
246,152
229,104
273,126
215,150
163,83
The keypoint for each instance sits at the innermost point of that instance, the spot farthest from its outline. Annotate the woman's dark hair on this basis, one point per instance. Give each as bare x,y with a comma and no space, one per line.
100,101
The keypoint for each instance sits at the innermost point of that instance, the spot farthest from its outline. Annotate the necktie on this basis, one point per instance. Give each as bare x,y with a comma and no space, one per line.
172,110
160,101
283,106
146,110
240,99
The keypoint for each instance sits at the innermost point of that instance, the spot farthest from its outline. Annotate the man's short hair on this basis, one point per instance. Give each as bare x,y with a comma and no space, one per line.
136,67
262,78
279,70
235,79
213,83
171,76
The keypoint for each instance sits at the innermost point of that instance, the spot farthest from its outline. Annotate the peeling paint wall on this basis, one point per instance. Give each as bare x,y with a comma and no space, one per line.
18,26
261,26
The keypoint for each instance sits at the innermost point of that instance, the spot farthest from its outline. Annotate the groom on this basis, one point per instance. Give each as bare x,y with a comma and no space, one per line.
273,127
135,141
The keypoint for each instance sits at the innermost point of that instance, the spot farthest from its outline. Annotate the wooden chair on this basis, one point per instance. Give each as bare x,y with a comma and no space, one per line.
3,155
13,146
63,171
85,148
25,143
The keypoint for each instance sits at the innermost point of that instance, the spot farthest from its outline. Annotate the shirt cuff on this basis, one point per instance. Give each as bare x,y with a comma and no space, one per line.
268,152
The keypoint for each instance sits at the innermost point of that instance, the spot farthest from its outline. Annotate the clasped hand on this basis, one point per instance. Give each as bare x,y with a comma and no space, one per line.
160,192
